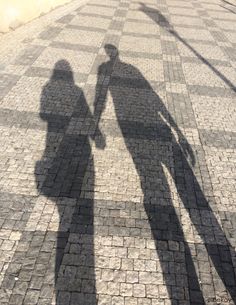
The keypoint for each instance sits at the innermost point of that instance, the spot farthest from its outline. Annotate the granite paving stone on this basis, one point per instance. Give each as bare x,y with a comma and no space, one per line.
118,149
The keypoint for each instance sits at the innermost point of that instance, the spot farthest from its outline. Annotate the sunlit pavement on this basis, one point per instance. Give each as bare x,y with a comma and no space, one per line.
117,147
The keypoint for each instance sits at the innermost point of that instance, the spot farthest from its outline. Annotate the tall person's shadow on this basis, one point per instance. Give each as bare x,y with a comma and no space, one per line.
146,127
60,176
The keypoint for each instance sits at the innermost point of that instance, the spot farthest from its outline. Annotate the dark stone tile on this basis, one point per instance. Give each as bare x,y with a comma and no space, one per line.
169,48
29,55
66,19
75,47
31,120
46,73
50,33
173,72
85,28
151,36
230,52
218,138
7,81
120,13
94,14
141,54
210,91
15,208
116,25
209,61
218,36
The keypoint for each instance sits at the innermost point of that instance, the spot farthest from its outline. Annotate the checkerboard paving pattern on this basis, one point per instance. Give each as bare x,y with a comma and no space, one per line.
118,149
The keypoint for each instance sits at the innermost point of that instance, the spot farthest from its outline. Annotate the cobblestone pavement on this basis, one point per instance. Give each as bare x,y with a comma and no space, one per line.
118,142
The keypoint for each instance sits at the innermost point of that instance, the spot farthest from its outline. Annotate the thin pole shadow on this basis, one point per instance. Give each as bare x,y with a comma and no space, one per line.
138,108
228,2
161,20
228,9
59,176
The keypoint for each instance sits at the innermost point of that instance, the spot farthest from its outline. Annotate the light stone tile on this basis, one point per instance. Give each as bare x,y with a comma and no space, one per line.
25,95
144,45
81,37
182,11
105,2
179,3
221,165
226,25
196,74
135,27
219,113
97,22
23,160
213,52
222,15
119,175
199,34
103,11
184,20
80,61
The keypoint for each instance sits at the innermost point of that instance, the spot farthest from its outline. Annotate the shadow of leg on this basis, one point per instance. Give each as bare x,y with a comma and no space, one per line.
211,233
179,273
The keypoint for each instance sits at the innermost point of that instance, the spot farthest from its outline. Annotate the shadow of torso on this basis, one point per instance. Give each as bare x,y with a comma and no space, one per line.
139,111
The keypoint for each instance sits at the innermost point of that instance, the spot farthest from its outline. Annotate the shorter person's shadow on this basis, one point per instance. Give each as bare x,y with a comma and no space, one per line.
60,176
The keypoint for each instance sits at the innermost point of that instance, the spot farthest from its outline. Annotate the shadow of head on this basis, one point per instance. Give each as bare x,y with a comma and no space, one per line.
60,94
62,71
111,51
155,15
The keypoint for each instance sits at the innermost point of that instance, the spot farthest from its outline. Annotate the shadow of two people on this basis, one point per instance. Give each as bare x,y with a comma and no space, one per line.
62,171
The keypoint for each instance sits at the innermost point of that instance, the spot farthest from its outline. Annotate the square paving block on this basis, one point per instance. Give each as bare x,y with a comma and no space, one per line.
95,22
74,36
79,61
142,44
